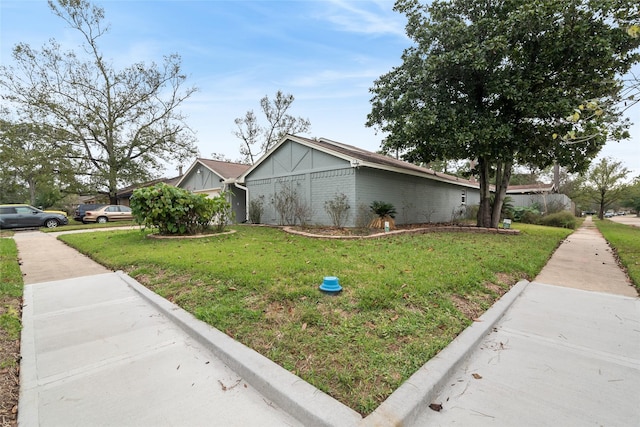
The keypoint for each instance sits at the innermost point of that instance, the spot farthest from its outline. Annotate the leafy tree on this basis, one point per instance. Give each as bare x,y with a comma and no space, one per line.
495,80
632,196
258,139
125,122
605,183
32,161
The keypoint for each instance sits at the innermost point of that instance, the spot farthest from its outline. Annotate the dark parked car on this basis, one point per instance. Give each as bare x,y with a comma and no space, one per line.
26,216
78,215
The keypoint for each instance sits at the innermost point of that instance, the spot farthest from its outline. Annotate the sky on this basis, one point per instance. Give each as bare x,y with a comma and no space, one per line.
326,53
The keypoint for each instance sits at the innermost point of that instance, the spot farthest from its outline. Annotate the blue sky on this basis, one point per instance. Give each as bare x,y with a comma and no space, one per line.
326,53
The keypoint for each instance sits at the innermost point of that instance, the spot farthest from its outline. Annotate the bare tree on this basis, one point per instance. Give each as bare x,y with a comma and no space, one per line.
125,122
258,139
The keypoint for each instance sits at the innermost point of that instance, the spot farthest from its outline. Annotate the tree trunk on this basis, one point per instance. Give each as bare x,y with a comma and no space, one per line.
32,191
602,205
503,175
484,212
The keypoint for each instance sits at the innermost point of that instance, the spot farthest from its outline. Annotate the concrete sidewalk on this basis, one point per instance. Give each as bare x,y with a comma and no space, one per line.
566,353
96,353
100,349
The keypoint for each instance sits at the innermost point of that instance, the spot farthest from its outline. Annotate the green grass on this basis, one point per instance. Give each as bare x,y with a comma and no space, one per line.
10,290
625,240
405,297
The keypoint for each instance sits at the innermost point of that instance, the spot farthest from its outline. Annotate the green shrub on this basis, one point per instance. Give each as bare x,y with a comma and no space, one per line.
383,209
529,217
176,211
564,219
222,213
531,212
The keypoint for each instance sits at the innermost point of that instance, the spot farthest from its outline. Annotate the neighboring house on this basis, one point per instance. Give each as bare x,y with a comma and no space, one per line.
212,177
125,194
319,170
543,196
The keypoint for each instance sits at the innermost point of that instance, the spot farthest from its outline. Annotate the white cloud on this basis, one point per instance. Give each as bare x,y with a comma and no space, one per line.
360,17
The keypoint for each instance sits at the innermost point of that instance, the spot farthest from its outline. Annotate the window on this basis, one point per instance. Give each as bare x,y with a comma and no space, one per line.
464,197
24,210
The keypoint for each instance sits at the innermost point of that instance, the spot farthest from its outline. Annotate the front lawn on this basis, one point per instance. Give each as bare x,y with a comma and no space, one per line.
404,297
625,240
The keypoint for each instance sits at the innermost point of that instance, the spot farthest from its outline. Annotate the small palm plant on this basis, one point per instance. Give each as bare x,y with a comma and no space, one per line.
385,212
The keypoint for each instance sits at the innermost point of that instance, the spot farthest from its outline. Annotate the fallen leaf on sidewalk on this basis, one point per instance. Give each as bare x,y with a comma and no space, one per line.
436,407
476,376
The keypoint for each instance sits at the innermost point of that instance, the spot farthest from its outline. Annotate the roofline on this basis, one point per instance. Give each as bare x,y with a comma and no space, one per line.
197,161
356,162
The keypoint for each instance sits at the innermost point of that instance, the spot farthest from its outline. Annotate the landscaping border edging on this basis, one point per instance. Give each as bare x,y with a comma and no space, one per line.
422,230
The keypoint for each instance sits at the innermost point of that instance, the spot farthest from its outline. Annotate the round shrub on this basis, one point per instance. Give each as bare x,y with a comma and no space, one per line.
177,211
564,219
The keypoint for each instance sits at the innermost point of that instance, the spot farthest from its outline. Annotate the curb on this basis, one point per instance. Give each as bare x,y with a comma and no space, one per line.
312,406
417,393
292,394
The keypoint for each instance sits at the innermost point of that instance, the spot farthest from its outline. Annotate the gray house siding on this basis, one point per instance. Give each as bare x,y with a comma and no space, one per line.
313,174
416,199
205,180
326,186
317,177
292,158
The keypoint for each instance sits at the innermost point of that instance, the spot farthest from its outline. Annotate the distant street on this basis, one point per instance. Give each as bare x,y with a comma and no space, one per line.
627,220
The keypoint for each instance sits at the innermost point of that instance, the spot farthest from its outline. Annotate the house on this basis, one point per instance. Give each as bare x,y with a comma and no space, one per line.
545,197
318,170
212,177
125,194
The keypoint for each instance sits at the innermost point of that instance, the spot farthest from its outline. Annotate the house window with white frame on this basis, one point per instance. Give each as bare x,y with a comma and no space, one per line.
464,197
